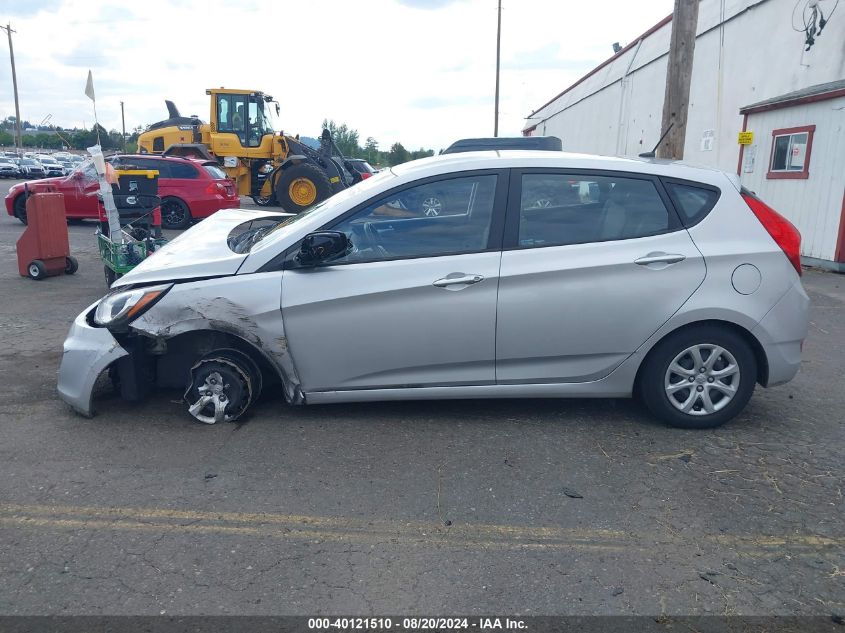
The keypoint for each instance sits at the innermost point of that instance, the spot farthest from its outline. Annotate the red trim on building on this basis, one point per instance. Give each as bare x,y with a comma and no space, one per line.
822,96
742,147
656,27
792,175
839,254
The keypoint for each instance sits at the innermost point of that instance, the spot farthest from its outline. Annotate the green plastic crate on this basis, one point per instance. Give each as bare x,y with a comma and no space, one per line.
122,258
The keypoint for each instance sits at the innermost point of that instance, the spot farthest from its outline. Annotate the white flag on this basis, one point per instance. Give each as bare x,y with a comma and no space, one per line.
89,87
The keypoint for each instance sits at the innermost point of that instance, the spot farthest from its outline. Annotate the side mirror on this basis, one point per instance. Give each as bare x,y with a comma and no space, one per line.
322,246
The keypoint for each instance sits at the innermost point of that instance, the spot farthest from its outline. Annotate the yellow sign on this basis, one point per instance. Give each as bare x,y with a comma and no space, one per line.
746,138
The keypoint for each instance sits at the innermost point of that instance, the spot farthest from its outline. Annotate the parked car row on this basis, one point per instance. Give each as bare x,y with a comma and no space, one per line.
32,165
190,189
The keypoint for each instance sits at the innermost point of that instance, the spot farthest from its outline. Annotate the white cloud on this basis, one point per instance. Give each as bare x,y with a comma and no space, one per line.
413,71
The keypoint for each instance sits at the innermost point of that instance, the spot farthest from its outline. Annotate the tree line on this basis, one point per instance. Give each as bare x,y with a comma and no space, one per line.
348,142
55,137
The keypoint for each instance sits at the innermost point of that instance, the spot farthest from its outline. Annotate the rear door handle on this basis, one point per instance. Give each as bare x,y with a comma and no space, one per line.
660,258
460,279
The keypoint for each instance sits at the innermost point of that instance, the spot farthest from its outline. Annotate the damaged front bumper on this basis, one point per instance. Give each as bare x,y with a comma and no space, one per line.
88,351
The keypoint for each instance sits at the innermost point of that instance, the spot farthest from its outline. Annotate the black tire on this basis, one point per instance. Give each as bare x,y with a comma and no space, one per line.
19,208
241,385
262,201
71,265
319,182
36,269
175,214
655,379
269,201
111,276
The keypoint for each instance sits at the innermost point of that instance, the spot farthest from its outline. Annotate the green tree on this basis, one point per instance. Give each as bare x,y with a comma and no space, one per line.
422,153
371,150
83,139
398,155
6,139
345,138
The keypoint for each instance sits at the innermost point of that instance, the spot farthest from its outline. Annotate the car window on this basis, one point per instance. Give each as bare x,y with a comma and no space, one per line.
183,170
361,166
561,209
134,162
436,218
692,202
215,172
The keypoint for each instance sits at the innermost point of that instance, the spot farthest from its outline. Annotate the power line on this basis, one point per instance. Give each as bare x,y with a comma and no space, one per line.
498,51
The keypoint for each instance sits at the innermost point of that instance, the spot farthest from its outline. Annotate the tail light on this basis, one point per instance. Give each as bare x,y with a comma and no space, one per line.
365,175
220,188
782,230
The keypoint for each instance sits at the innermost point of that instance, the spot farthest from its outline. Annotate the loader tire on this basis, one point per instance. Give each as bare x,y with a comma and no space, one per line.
302,186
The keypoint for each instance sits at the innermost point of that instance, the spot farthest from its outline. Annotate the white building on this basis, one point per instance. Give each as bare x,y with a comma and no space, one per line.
751,72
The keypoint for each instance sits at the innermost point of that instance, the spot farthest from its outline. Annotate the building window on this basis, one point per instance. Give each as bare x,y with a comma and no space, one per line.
791,152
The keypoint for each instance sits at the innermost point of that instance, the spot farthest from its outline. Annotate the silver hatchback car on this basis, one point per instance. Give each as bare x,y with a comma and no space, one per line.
476,275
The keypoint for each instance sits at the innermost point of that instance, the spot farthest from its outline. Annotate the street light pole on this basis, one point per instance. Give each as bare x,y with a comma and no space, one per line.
498,50
123,124
18,142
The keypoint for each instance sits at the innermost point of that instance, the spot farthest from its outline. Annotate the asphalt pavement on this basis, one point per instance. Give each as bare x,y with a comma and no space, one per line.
507,507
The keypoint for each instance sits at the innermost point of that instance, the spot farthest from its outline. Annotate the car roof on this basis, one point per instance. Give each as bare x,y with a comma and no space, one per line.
507,159
157,157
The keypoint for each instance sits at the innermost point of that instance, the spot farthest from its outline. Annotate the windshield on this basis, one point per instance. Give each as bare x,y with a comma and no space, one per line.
328,204
261,120
87,170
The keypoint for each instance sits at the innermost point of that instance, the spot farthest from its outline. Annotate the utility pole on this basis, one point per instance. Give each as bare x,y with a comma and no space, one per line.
678,76
498,49
18,143
123,124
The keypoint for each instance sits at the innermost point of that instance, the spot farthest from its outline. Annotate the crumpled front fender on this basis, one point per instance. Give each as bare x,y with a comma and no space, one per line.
245,306
88,351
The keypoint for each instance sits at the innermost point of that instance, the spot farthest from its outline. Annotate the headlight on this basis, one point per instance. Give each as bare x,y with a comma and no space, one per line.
119,308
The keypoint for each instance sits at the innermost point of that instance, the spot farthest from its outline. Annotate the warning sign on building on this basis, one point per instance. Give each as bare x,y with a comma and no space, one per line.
746,138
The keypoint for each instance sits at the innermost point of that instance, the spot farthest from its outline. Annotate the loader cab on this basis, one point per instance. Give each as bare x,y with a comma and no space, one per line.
248,116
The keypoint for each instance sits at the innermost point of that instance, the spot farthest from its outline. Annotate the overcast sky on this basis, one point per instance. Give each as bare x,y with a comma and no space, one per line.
421,72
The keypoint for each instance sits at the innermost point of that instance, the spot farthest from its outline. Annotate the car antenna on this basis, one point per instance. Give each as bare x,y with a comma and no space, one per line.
651,154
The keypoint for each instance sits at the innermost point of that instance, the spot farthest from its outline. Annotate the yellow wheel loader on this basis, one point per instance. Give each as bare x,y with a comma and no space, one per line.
272,168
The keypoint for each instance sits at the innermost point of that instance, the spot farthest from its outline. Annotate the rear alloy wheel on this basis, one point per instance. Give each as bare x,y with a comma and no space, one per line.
174,214
699,378
223,386
432,206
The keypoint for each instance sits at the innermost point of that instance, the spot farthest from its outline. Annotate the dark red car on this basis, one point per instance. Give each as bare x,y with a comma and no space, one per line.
190,189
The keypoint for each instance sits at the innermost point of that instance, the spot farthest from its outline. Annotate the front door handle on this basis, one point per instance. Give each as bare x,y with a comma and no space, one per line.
660,258
459,278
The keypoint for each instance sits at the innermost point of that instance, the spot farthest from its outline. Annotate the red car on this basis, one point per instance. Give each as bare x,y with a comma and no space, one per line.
190,189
